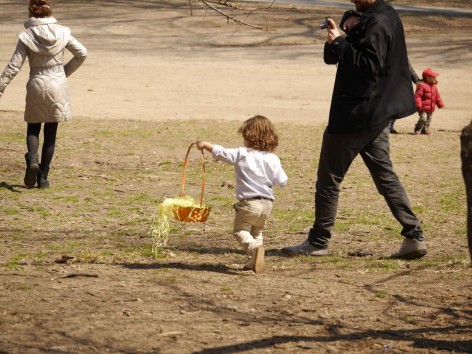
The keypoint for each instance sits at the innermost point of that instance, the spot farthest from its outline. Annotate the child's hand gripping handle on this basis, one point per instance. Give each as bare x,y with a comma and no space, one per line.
182,194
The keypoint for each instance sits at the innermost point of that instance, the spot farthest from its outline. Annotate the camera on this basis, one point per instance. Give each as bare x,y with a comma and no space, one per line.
325,24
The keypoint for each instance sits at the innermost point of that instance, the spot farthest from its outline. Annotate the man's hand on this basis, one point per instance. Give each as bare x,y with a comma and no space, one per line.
333,31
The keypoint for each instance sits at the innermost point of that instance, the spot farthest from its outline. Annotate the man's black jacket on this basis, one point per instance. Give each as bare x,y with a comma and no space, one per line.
373,81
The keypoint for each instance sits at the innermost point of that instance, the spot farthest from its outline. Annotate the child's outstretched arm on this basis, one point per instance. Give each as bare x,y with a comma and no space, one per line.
204,145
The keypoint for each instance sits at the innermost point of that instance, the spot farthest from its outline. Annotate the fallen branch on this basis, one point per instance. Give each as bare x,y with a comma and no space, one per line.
80,274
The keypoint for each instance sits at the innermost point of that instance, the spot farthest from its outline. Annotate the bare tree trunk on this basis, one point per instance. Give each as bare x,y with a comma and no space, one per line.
466,157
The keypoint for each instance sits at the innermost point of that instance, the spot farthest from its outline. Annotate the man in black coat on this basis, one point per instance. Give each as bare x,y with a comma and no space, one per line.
372,86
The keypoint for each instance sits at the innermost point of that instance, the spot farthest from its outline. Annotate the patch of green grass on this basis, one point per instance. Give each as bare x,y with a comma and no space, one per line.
220,201
138,200
116,212
9,210
105,133
332,260
13,266
135,222
420,209
453,201
172,167
295,219
147,251
136,133
381,294
450,261
68,198
89,256
75,245
39,256
11,137
384,265
227,289
371,217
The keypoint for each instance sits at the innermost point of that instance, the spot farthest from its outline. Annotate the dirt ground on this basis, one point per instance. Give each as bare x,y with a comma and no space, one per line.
77,274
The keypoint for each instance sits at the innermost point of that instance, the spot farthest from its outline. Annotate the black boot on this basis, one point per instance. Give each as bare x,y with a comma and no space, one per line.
42,177
32,169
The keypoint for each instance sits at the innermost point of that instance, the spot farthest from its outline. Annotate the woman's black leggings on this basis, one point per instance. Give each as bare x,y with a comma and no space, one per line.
49,144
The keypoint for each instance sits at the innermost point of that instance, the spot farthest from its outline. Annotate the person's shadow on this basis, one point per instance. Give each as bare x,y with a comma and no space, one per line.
12,187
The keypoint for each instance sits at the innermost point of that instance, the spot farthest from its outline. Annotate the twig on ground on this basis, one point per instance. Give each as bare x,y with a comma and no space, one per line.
80,274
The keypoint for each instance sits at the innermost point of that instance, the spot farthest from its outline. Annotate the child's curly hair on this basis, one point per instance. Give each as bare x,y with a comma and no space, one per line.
260,134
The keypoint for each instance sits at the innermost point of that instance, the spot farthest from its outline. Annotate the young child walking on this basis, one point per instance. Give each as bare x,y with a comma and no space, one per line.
426,99
257,170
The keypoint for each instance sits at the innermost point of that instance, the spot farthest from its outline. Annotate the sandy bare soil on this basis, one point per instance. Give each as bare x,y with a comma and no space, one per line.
155,61
156,79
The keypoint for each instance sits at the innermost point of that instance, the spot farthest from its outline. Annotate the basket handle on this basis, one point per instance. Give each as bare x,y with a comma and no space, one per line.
203,177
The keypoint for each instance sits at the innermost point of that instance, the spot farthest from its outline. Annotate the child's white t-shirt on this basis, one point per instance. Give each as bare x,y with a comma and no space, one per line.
256,171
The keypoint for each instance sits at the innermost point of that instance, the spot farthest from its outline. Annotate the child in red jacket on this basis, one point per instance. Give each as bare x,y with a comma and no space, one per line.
426,98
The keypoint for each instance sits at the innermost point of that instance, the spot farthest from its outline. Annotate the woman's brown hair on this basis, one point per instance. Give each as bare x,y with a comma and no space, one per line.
259,132
39,8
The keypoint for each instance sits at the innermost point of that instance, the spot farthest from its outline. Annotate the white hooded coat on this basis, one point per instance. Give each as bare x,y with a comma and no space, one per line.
47,95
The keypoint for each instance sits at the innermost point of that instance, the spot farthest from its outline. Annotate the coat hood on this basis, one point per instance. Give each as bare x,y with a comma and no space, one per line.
44,35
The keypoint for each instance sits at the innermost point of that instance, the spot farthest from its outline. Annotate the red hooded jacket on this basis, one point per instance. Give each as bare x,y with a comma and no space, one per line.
427,97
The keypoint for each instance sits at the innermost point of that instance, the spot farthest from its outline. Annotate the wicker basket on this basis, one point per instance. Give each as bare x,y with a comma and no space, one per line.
193,213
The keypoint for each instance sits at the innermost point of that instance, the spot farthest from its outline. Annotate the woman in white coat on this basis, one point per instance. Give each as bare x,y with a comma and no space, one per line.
43,42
